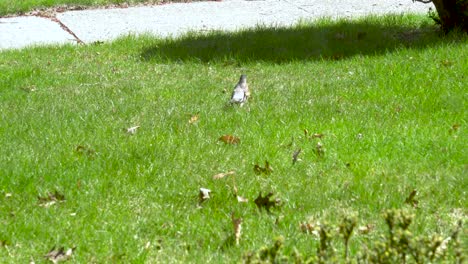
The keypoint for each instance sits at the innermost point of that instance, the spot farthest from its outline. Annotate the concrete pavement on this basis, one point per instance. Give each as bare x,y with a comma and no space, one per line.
174,19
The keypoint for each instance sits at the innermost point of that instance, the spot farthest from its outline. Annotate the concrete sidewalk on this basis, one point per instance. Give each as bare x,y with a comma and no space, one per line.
174,19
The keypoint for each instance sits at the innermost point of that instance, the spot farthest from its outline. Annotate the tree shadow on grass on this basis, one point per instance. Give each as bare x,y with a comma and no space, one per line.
321,40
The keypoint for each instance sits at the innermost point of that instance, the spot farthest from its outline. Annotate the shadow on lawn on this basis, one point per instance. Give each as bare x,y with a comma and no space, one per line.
323,40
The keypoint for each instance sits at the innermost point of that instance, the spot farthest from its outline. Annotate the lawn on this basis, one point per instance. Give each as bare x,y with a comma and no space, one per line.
376,106
8,7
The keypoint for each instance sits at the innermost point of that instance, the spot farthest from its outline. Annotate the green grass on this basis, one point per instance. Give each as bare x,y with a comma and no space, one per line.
399,84
8,7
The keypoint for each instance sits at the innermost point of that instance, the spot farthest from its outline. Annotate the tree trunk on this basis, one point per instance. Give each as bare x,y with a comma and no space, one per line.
452,14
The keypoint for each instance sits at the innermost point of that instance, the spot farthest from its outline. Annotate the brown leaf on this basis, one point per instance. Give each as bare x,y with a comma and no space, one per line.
85,150
194,118
223,174
315,135
51,199
58,255
411,199
366,229
319,150
295,155
237,224
446,63
263,170
310,228
230,139
318,135
265,202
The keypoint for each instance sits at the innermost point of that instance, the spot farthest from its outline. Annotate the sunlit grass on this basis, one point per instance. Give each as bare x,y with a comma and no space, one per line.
8,7
392,111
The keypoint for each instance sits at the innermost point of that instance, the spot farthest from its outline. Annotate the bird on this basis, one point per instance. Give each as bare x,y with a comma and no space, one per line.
241,91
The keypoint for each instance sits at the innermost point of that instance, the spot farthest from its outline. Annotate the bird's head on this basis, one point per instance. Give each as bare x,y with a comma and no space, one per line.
243,78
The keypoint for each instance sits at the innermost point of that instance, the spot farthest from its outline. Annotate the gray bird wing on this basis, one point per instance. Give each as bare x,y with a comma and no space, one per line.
238,95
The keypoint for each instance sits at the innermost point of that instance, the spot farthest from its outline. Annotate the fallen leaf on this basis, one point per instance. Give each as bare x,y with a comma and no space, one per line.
223,174
263,170
241,199
318,135
265,202
229,139
455,127
85,150
132,130
411,199
194,118
319,150
57,255
446,63
204,194
4,243
51,199
237,224
310,228
315,135
366,229
295,155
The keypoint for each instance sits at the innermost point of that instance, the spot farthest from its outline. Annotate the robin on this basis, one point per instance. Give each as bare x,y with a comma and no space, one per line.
241,91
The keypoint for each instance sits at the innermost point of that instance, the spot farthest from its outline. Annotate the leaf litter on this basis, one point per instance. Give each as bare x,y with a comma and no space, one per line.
51,199
264,202
267,169
58,255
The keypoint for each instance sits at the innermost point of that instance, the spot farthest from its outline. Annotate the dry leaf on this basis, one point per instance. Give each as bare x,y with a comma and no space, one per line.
318,135
265,202
295,155
132,130
310,228
229,139
366,229
237,224
57,255
204,194
51,199
241,199
263,170
315,135
4,243
194,118
223,174
446,63
411,199
455,127
85,150
319,150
